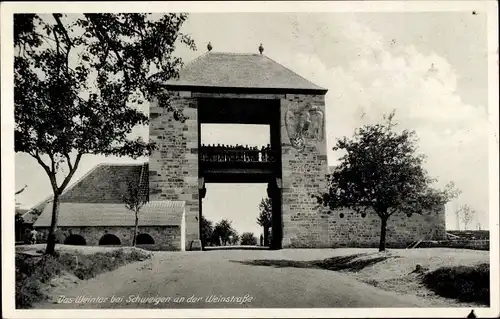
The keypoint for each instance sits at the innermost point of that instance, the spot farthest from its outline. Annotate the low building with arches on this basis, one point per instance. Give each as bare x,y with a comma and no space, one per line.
92,212
160,224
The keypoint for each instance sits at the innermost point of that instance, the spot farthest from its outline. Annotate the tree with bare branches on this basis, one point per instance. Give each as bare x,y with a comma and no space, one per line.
134,200
466,214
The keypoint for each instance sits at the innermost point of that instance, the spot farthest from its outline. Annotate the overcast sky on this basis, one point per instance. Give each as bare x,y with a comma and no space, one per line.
430,67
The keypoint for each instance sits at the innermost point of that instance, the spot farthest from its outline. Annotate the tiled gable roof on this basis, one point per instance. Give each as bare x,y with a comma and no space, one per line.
244,71
107,183
155,213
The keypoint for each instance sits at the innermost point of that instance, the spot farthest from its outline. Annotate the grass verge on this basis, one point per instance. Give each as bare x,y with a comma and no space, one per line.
32,273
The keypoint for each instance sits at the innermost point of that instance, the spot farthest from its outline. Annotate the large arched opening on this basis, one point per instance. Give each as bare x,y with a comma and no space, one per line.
74,239
109,240
145,239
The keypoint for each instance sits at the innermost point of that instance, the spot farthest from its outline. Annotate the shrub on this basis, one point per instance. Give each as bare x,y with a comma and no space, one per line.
31,272
27,291
464,283
136,255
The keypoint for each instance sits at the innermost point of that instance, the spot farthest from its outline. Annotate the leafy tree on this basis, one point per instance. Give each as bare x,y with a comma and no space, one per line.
248,239
234,239
466,214
79,81
134,200
224,230
265,217
207,230
381,173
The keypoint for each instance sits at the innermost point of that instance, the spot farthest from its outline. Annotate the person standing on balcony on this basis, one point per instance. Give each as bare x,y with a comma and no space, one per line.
218,151
223,153
269,153
230,152
236,152
251,153
246,154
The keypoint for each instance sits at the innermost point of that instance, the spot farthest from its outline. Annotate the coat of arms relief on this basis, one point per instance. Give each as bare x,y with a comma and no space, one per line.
304,126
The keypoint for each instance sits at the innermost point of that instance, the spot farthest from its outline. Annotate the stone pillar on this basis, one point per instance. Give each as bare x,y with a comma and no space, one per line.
173,166
304,169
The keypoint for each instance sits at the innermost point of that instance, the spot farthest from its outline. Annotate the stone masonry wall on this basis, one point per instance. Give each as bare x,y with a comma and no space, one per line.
173,166
304,173
348,228
162,235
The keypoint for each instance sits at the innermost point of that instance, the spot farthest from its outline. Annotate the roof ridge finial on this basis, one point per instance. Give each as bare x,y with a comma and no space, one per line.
209,46
261,48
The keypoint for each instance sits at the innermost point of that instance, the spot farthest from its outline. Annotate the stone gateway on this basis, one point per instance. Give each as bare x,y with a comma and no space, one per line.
243,89
254,89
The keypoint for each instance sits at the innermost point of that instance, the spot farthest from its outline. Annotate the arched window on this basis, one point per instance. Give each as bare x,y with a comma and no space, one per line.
109,240
75,240
145,239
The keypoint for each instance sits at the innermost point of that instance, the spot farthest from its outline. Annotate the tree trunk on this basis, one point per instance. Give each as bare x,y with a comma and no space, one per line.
266,236
135,228
383,229
51,238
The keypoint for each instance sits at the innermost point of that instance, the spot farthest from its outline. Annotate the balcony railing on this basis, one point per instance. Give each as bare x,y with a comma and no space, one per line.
220,154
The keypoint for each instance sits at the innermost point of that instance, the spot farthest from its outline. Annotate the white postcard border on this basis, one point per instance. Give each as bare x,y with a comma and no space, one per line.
8,202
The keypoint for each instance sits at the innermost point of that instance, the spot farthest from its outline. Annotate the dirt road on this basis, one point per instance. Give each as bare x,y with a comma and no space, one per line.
218,279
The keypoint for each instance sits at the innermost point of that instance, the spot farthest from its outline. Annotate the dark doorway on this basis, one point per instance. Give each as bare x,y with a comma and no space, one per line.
145,239
109,240
76,240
